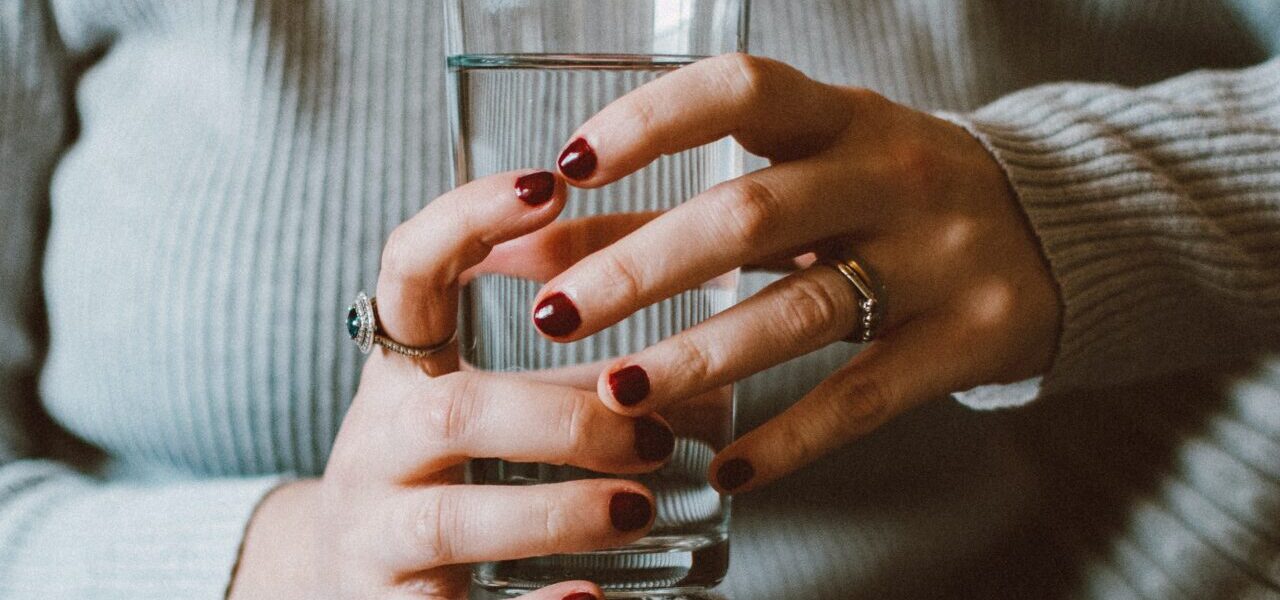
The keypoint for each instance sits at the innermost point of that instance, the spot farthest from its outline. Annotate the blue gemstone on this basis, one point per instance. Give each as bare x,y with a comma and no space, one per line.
353,323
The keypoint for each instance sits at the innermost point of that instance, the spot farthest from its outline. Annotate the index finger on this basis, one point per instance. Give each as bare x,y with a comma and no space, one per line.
425,256
551,250
772,109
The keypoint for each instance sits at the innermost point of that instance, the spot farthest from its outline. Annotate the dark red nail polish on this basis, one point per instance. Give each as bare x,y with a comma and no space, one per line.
629,385
654,441
578,161
536,188
580,596
629,511
557,316
734,473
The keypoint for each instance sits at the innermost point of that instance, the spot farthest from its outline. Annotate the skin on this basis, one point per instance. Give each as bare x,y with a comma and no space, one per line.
391,517
970,301
969,297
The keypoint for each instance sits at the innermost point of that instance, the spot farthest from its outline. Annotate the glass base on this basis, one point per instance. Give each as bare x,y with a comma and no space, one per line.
656,567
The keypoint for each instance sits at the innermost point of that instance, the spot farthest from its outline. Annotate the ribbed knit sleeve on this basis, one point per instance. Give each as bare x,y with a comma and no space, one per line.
1158,210
64,533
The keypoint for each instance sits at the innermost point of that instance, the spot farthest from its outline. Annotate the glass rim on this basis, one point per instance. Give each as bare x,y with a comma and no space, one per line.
453,29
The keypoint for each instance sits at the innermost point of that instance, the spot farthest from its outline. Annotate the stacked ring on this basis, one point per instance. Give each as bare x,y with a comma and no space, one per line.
868,300
363,327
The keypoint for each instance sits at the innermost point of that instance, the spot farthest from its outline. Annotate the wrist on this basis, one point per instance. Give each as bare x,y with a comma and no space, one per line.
278,558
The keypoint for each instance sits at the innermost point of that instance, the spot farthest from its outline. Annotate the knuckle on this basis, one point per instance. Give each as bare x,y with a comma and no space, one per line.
641,110
913,164
990,305
558,524
750,208
621,275
803,442
451,408
695,362
435,522
576,422
913,156
395,252
750,77
869,403
865,99
807,307
431,251
867,106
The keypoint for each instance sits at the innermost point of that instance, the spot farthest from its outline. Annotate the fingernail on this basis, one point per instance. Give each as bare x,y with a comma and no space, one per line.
536,188
654,441
557,316
629,511
629,385
734,473
581,596
578,161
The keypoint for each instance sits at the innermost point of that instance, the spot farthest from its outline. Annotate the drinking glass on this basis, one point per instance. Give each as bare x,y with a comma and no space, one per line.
523,75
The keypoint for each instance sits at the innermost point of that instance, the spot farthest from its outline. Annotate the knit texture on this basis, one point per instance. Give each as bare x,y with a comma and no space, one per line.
199,188
1160,232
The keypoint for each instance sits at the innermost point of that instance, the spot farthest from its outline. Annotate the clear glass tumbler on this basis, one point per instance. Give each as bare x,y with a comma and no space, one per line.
523,75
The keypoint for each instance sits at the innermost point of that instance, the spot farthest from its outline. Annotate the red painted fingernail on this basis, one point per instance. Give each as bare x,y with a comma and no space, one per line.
557,316
578,161
629,385
536,188
654,441
581,596
734,473
629,511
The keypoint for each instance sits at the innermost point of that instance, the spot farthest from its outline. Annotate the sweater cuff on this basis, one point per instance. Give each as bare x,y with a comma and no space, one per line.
1098,208
997,396
172,540
1037,159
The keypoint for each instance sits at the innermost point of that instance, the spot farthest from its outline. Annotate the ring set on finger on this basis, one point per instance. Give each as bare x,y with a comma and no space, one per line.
870,310
365,330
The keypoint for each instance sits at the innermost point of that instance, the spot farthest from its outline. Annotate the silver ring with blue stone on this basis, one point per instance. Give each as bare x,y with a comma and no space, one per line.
362,326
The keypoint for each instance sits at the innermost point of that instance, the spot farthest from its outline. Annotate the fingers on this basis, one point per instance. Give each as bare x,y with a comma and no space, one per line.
582,376
569,590
458,416
424,256
735,223
791,317
772,109
921,361
447,525
547,252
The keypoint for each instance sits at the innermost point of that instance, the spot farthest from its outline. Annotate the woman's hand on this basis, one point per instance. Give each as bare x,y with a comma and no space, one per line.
969,298
391,518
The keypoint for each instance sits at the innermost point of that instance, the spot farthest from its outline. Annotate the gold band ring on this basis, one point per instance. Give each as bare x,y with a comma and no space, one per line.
869,304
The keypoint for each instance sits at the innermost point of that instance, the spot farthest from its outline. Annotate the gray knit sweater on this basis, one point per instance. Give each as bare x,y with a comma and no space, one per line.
191,190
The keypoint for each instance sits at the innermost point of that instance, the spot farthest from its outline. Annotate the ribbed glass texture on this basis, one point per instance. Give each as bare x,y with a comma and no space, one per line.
523,77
